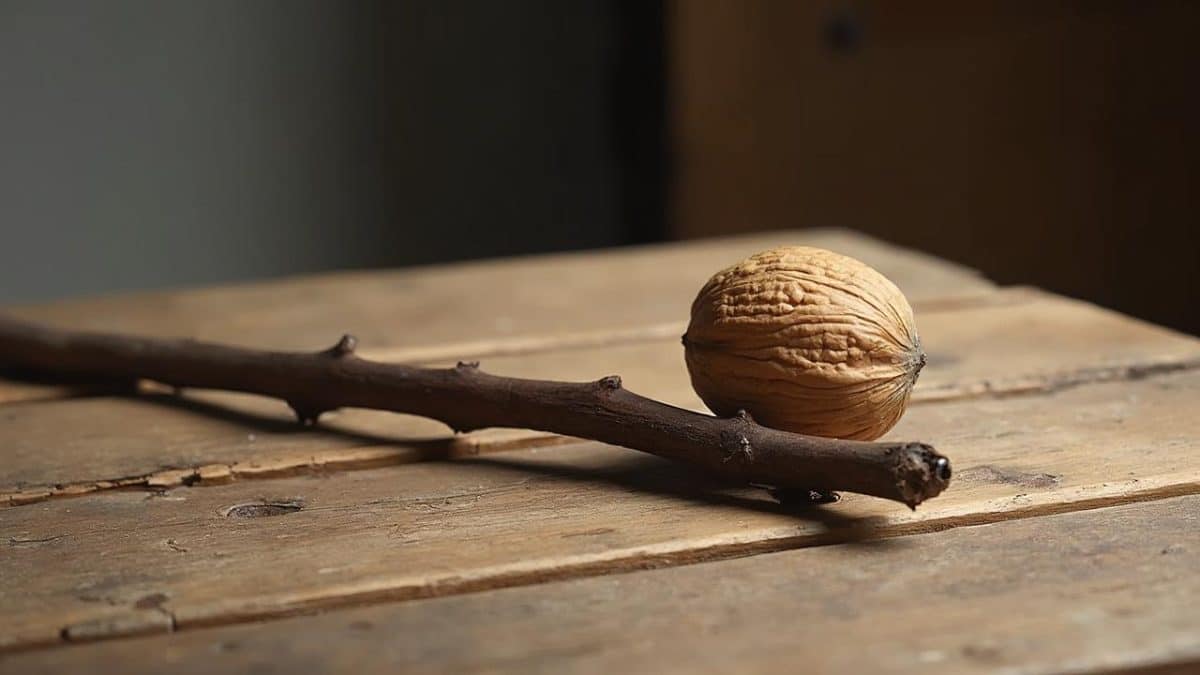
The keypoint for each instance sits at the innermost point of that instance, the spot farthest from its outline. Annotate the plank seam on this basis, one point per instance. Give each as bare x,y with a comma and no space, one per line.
334,599
1053,383
548,344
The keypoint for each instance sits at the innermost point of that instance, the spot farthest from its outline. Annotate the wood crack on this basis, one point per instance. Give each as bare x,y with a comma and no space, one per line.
222,473
1051,383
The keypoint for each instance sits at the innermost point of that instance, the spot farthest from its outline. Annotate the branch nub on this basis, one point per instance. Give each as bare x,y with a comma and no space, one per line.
610,382
306,415
344,347
743,415
736,446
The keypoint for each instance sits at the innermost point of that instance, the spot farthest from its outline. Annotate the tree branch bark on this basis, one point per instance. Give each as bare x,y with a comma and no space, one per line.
466,398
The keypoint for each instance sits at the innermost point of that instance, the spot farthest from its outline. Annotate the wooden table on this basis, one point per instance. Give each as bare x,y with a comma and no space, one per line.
209,533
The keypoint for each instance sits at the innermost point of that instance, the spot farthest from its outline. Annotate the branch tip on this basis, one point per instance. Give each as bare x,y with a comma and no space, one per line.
922,473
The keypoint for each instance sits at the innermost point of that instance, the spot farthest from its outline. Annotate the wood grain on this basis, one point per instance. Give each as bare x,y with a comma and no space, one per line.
1017,341
504,298
1108,589
117,563
501,306
15,390
1020,341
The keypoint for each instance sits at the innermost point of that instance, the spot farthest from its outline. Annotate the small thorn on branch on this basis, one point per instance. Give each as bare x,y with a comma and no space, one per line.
744,416
344,347
467,365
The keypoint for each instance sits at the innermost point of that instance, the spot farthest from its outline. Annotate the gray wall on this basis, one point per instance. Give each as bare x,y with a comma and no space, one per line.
171,143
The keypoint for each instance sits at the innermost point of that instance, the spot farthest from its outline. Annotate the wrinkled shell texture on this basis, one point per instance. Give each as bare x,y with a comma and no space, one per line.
804,340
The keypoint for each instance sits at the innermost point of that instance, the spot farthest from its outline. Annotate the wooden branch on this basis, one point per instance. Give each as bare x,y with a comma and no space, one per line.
466,398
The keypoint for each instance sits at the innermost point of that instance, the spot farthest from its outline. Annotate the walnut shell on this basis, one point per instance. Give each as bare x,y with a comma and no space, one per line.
804,340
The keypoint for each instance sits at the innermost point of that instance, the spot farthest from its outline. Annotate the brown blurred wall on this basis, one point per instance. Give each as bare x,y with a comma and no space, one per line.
1050,143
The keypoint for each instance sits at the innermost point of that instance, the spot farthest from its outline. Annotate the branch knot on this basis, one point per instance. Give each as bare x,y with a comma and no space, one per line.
610,382
739,448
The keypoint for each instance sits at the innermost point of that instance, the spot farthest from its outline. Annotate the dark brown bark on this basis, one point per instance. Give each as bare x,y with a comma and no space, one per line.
466,398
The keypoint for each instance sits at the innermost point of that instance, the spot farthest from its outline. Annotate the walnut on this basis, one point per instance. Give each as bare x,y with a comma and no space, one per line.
804,340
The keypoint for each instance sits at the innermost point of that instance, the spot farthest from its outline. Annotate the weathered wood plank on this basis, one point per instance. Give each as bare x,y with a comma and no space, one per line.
502,298
1020,341
15,390
1101,590
486,305
116,563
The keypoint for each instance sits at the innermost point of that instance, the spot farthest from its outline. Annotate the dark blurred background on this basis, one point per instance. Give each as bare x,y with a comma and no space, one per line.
148,144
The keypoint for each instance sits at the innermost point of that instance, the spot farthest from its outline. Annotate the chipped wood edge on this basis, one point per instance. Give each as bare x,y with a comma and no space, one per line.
281,466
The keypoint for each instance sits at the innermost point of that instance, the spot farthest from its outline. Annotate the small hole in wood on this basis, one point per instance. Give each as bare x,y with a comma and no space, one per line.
263,509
